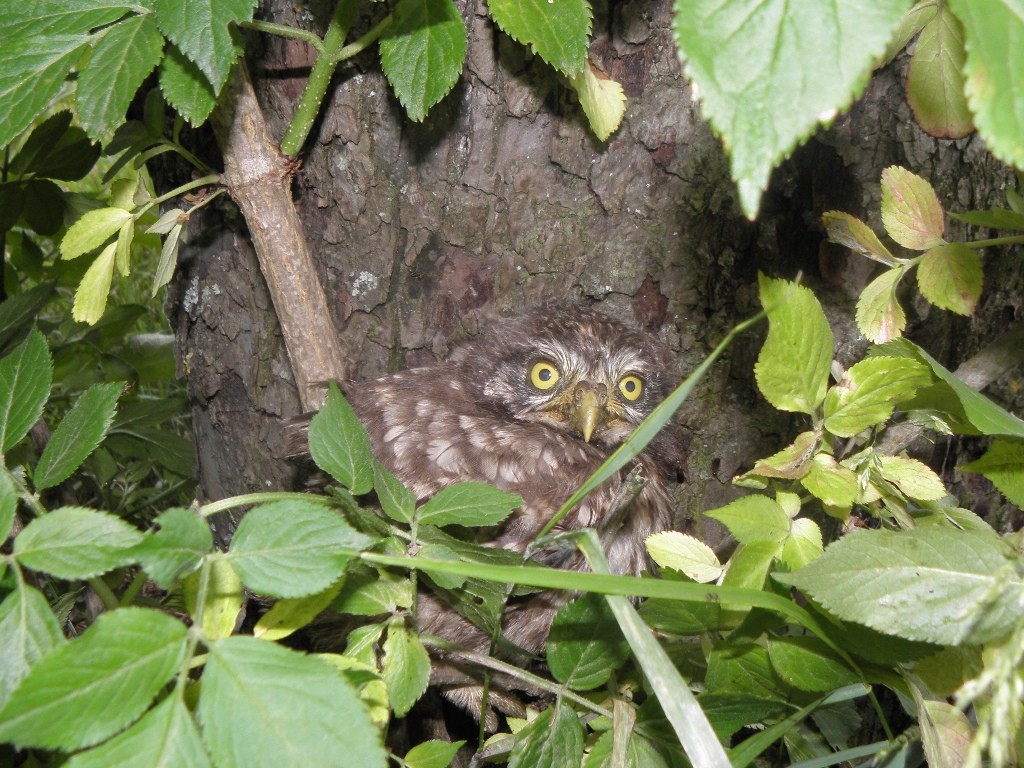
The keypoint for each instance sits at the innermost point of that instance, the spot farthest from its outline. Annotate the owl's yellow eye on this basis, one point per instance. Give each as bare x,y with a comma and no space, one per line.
631,387
544,375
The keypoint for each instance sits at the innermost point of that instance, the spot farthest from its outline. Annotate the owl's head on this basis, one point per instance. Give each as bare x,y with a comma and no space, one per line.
572,368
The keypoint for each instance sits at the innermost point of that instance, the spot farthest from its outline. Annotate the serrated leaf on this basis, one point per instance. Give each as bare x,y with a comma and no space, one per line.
79,433
950,277
793,366
396,501
87,690
554,738
946,733
804,544
791,463
56,150
8,505
124,56
769,73
743,668
422,51
368,592
204,31
340,445
18,312
831,482
557,32
32,70
406,668
122,252
287,616
993,30
44,204
1003,464
76,543
263,704
584,648
185,87
935,80
168,259
217,617
879,314
441,552
473,504
913,478
59,17
166,736
753,519
869,391
93,291
911,211
808,664
686,554
25,378
92,230
934,584
168,220
602,99
849,231
996,218
293,548
909,27
432,754
28,631
175,547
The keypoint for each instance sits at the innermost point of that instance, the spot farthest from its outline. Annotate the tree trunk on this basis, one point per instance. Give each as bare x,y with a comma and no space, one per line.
502,197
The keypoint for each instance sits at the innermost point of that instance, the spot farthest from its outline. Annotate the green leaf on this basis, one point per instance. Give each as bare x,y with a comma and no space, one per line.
950,277
879,314
185,87
869,391
996,218
339,444
44,204
993,30
743,668
554,738
223,604
168,259
76,543
32,70
406,668
935,80
48,17
121,60
808,664
89,689
263,704
804,544
934,584
28,631
909,27
831,482
583,648
753,518
472,504
422,51
849,231
432,754
602,99
293,548
768,73
396,501
56,150
18,312
92,230
686,554
287,616
791,463
368,592
181,538
1003,464
911,211
946,733
92,293
792,369
913,478
204,31
25,378
166,736
79,433
8,504
557,32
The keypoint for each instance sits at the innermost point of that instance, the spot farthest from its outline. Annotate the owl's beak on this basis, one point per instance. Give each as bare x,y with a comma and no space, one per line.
590,401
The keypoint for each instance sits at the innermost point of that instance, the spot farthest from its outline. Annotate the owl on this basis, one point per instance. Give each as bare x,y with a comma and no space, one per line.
533,406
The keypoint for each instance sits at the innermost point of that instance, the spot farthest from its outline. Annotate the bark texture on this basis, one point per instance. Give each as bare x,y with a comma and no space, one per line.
502,198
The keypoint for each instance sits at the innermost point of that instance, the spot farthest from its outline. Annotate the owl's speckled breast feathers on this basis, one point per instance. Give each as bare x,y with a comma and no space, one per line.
534,406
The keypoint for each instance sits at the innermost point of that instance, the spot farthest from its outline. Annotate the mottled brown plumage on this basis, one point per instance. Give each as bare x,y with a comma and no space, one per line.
511,409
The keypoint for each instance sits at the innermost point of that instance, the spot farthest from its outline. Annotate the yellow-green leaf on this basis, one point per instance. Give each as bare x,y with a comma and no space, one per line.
92,230
879,314
847,230
602,99
935,81
950,277
91,296
911,211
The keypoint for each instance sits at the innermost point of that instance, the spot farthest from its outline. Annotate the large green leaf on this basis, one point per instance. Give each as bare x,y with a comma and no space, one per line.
89,689
58,17
935,80
185,87
1003,464
406,668
555,31
204,31
340,445
263,704
994,38
471,504
180,537
25,378
422,52
79,432
934,584
768,72
869,392
121,60
554,738
583,650
28,631
32,69
76,543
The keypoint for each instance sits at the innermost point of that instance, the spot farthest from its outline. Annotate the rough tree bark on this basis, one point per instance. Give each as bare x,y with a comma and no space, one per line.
502,197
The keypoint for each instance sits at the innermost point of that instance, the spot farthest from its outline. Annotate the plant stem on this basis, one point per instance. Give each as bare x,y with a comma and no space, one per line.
206,510
212,178
105,593
319,78
283,30
364,42
1008,240
133,589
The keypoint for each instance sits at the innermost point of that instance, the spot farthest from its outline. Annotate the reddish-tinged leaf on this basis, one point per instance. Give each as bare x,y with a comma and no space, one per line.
950,277
911,211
